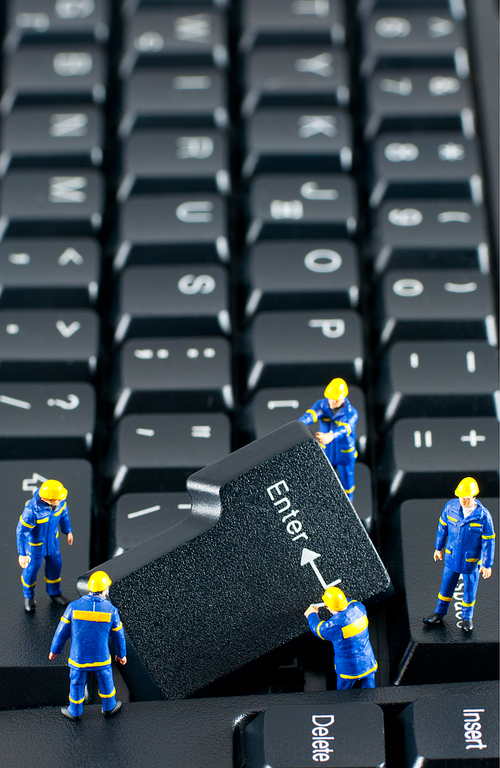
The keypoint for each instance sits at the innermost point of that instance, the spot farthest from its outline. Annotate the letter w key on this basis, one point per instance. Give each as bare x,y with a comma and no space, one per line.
225,587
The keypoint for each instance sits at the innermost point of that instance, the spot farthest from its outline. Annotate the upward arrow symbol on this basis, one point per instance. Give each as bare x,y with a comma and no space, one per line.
308,558
70,254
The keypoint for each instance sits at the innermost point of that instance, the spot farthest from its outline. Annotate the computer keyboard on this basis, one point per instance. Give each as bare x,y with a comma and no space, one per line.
208,211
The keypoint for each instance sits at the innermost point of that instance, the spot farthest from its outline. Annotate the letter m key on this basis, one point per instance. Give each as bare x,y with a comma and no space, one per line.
67,189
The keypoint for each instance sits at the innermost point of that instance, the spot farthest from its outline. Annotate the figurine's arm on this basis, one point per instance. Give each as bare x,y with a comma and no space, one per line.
62,633
118,638
25,525
312,415
488,548
441,535
65,524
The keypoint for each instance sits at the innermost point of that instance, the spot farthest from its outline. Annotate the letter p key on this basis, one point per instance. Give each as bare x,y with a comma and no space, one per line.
332,329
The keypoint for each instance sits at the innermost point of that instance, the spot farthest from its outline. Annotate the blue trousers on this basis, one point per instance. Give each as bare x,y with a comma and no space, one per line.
53,565
448,584
366,682
346,477
77,680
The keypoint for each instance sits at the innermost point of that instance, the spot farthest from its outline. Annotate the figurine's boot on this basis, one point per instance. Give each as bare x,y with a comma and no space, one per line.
111,712
467,625
29,604
434,619
60,600
65,711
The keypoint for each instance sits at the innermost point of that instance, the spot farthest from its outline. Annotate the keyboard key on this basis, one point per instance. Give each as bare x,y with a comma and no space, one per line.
304,347
45,344
400,99
165,34
52,136
155,301
137,517
292,22
34,20
428,164
286,139
439,378
183,96
443,647
63,72
174,375
299,75
246,549
158,452
293,274
424,456
39,272
169,160
436,304
46,420
52,202
27,678
172,228
302,205
302,735
421,233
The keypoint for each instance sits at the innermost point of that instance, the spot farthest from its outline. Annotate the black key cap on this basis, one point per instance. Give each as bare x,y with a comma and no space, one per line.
422,233
417,98
426,164
302,274
46,420
37,20
247,547
188,374
304,347
172,228
439,378
304,735
43,345
469,722
187,96
424,456
158,35
158,452
137,517
296,75
436,304
55,202
292,139
186,300
174,160
27,677
422,654
414,38
320,21
52,136
302,205
63,72
53,272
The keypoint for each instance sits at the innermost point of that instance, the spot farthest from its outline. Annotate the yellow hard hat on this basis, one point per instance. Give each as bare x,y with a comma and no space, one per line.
466,488
52,490
335,599
99,581
336,389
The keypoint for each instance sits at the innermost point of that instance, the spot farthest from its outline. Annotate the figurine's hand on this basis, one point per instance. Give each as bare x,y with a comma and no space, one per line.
52,656
70,538
324,437
486,572
311,609
121,661
438,554
24,560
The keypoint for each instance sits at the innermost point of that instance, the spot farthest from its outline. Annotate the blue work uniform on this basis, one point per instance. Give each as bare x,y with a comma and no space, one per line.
348,631
341,452
38,536
90,621
469,543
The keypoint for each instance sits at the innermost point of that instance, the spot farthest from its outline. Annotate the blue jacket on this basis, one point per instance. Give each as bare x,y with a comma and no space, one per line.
469,541
342,422
348,631
89,622
38,527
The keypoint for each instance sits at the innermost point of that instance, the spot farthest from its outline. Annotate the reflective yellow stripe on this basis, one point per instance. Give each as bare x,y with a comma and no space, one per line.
93,664
447,599
488,537
37,544
350,490
347,450
107,695
76,701
27,585
326,418
115,629
343,424
92,615
355,627
442,521
476,525
447,551
364,674
468,605
453,518
66,621
471,559
317,629
26,524
313,414
56,514
51,581
43,520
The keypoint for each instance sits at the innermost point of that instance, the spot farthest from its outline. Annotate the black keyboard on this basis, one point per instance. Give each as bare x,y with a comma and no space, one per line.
208,210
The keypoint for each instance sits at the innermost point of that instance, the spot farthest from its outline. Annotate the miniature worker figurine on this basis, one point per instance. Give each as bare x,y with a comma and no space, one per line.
466,528
89,622
336,419
347,629
38,537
